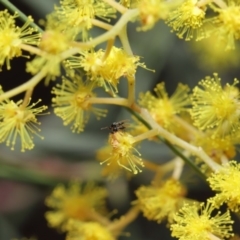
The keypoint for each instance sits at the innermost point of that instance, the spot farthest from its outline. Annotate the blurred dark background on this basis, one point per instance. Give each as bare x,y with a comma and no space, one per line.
27,178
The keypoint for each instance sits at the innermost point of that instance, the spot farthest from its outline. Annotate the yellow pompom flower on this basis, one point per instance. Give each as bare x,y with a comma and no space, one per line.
151,11
107,72
79,13
71,103
18,121
216,107
162,107
123,155
53,43
227,23
210,54
77,202
217,147
187,20
198,223
13,36
87,231
226,183
160,202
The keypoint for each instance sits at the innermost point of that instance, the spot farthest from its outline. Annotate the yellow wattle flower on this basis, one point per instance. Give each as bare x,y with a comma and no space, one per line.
13,36
77,202
195,221
71,102
216,107
123,154
19,122
226,184
158,202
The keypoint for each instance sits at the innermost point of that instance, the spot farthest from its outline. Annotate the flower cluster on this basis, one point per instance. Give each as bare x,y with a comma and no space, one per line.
105,69
19,121
76,202
12,37
202,127
225,182
187,20
194,221
215,106
81,13
164,108
160,202
72,104
123,154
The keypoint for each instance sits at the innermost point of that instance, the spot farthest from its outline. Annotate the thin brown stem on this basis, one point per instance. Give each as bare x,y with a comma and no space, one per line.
117,226
27,98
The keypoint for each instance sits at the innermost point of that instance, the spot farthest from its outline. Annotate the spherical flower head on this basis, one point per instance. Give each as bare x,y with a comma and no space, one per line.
163,108
187,20
87,231
197,222
17,121
152,11
215,107
210,55
123,154
225,182
80,13
121,64
107,71
71,103
13,36
216,146
77,202
52,44
228,24
160,202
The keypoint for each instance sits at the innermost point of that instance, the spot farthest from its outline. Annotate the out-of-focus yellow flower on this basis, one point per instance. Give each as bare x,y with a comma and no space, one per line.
151,11
215,107
198,223
162,201
226,183
87,231
163,108
71,102
187,20
18,121
122,155
113,170
227,24
53,43
80,13
210,55
13,36
77,202
107,72
217,147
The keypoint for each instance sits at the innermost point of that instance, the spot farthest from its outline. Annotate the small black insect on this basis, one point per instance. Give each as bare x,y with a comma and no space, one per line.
116,126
